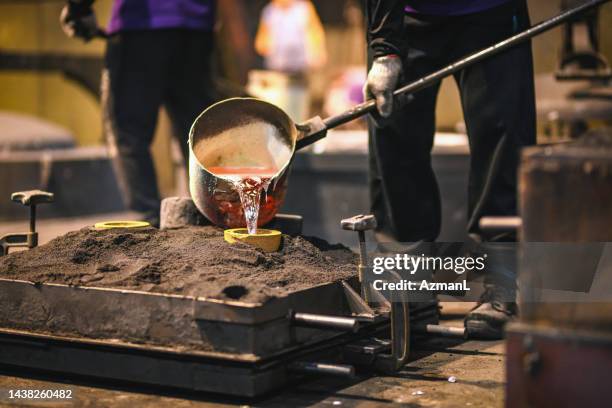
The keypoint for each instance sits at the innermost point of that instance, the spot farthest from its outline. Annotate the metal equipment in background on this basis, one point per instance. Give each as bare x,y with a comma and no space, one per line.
83,70
582,61
28,239
565,202
564,335
578,95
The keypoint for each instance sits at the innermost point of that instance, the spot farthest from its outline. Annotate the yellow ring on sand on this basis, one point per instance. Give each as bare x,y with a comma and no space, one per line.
121,224
265,239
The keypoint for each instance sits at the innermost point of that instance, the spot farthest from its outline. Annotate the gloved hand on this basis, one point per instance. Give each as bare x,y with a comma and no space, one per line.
78,20
382,81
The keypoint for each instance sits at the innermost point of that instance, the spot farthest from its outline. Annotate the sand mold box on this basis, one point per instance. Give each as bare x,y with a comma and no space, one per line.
193,261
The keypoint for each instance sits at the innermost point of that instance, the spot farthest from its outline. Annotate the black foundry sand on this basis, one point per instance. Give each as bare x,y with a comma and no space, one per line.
193,261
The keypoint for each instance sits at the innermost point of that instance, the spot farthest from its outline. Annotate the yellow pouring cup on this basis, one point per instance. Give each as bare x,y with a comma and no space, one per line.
121,224
265,239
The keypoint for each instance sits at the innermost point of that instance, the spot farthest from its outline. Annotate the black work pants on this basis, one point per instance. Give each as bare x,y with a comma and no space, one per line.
145,70
497,97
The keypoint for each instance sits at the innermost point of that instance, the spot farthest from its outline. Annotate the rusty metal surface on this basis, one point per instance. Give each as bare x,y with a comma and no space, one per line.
548,367
565,198
565,193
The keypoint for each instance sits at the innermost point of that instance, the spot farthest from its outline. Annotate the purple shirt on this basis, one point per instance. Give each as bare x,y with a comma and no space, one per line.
450,7
156,14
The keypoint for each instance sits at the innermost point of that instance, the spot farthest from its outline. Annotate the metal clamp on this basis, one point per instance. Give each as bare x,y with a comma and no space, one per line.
399,315
400,333
361,223
29,239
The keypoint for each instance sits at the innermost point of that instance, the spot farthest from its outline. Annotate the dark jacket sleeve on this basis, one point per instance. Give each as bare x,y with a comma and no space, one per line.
85,3
385,21
81,7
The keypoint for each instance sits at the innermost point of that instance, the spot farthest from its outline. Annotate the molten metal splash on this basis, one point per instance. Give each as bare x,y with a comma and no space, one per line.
251,183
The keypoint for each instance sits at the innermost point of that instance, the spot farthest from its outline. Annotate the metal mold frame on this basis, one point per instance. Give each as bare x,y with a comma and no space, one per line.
231,330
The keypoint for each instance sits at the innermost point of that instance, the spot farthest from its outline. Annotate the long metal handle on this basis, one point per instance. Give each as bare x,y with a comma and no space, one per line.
369,105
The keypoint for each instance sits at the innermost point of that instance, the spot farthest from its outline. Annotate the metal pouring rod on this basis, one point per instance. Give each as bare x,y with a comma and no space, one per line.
369,106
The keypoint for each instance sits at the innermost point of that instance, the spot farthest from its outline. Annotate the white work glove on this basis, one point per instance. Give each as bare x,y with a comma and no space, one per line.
382,81
79,20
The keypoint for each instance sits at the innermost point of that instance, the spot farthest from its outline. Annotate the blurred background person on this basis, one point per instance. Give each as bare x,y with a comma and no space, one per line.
345,79
158,53
291,39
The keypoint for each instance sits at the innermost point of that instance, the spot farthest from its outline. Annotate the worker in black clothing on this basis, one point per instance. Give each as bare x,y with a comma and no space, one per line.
411,38
158,53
